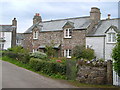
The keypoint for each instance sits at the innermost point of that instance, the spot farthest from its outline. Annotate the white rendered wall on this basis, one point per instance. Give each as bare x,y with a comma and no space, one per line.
96,43
7,43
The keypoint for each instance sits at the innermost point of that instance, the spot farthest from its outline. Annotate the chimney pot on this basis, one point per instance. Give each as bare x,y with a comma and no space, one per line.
109,16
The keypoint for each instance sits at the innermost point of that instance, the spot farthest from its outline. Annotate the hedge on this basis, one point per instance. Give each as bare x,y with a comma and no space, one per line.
22,57
47,66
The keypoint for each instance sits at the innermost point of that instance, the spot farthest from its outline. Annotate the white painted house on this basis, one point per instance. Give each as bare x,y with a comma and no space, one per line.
8,35
103,39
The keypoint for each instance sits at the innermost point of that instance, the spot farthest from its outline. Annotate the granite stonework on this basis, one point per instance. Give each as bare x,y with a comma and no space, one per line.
95,72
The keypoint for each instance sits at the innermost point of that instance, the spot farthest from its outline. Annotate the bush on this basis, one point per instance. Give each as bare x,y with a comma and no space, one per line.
18,53
47,66
24,58
39,55
116,56
81,52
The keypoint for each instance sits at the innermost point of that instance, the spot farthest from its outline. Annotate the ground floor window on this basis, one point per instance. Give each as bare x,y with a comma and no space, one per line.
67,53
1,46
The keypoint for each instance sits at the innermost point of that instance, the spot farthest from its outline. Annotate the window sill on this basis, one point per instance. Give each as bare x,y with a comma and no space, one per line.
68,56
35,38
67,37
111,42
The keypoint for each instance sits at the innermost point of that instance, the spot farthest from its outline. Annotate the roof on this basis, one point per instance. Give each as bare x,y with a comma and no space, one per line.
6,28
104,25
56,25
19,36
56,46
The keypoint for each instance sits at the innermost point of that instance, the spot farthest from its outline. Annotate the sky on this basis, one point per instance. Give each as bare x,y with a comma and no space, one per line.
24,10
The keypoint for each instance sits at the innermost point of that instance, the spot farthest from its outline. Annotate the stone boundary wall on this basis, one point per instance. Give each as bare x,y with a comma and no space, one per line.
94,72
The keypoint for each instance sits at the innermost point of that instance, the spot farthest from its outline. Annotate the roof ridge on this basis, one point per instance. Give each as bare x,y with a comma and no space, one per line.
110,19
5,25
65,19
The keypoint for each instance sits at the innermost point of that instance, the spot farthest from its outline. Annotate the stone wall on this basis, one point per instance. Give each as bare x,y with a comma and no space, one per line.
57,37
95,72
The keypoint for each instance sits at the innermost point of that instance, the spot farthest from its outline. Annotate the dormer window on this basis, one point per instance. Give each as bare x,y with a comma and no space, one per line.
67,33
35,34
111,38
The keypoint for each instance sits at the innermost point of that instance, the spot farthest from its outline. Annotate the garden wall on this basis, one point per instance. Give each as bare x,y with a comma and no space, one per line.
95,72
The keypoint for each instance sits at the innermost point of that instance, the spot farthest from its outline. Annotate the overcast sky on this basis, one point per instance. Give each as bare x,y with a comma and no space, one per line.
24,10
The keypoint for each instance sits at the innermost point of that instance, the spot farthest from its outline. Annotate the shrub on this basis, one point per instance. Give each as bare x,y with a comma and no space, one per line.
81,52
18,53
116,56
39,55
47,66
24,58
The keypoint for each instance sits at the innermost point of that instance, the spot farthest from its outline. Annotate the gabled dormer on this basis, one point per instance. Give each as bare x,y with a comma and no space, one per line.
67,28
111,34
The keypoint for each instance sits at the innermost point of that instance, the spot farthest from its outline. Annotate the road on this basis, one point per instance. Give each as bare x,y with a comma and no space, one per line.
17,77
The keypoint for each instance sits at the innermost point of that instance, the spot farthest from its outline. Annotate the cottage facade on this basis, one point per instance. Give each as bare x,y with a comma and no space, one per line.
8,35
64,33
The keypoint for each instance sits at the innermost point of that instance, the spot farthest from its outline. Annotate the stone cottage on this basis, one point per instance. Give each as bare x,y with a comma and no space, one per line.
8,35
64,33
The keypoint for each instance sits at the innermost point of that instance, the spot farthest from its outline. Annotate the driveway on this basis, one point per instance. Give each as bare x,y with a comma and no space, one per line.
17,77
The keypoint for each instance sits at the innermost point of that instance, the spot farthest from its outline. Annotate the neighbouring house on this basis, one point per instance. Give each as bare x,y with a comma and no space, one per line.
64,33
19,39
8,35
103,39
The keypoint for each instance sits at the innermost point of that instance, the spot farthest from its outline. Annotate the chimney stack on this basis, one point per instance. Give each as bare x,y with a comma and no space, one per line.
37,18
95,14
109,16
14,22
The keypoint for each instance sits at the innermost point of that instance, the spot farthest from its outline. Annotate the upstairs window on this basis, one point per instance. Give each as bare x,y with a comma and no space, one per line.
67,53
68,33
35,34
2,35
111,37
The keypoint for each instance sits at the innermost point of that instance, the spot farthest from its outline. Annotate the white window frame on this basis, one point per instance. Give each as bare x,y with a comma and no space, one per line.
67,33
67,53
35,34
2,34
111,37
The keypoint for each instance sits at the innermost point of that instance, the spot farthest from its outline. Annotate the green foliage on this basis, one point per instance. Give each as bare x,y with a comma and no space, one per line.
18,49
81,52
18,53
47,66
116,55
39,55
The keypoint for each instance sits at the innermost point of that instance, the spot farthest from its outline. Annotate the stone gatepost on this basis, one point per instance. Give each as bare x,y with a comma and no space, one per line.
109,72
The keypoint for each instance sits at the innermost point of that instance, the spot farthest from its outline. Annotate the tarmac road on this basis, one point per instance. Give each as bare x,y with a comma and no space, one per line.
17,77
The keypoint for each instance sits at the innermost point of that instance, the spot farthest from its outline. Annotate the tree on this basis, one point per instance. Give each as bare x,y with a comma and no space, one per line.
116,55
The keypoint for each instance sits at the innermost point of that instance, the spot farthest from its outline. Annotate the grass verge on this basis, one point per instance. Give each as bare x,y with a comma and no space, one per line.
57,77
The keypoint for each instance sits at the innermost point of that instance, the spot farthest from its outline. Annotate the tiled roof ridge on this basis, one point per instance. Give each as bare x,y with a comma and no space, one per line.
66,19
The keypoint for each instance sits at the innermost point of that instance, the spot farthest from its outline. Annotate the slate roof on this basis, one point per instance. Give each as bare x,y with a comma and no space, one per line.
19,36
56,25
6,28
104,25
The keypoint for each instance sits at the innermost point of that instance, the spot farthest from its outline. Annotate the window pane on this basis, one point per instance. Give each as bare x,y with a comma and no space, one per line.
113,37
69,52
109,37
66,53
70,32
